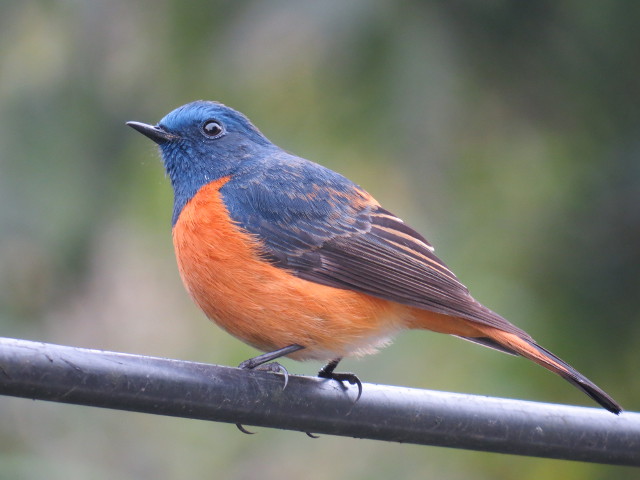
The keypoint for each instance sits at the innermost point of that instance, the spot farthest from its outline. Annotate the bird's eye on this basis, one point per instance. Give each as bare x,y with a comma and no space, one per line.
211,128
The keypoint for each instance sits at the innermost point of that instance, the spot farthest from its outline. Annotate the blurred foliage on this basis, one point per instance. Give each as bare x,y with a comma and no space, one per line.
506,131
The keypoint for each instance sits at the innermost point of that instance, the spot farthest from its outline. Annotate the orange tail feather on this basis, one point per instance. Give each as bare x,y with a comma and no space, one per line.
531,350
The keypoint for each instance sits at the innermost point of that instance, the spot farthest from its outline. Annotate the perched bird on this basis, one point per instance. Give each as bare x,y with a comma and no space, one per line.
297,260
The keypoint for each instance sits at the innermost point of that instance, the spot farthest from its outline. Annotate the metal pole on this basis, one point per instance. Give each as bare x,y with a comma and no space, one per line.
210,392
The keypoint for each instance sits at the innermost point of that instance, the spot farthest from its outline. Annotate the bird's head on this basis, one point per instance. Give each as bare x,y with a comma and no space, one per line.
203,141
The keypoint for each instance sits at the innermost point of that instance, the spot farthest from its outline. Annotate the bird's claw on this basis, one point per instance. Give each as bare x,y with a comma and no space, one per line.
273,367
244,430
351,378
264,362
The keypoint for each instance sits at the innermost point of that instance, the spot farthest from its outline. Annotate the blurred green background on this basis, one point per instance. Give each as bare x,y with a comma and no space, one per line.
508,132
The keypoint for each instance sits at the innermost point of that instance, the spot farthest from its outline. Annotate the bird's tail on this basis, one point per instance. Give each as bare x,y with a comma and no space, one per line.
526,347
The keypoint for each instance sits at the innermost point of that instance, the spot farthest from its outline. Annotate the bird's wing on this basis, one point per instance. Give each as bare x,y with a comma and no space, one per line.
325,229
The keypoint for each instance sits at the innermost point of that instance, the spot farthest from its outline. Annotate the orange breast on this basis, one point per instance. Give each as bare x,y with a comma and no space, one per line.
264,305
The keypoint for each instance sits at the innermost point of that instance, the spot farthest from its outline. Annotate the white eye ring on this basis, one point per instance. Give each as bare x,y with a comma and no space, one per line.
212,128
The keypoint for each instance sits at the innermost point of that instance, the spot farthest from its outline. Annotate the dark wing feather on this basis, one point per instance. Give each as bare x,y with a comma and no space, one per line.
327,230
397,264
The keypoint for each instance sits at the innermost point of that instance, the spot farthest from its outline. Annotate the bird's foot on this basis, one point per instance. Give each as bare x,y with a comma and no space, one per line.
273,367
265,363
328,372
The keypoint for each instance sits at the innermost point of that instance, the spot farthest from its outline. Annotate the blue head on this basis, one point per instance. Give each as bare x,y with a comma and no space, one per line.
201,142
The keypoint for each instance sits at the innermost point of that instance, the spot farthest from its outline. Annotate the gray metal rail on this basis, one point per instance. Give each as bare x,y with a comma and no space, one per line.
308,404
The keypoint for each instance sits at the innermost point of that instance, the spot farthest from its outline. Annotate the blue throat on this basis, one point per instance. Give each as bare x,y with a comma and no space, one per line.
188,176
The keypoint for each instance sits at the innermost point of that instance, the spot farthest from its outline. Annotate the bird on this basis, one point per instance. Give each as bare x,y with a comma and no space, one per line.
296,260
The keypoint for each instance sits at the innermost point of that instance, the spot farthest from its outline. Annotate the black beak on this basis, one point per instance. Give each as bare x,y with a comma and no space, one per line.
156,134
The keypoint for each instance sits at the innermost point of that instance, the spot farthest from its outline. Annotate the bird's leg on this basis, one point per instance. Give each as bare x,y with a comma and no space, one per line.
265,363
267,357
328,372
